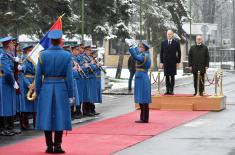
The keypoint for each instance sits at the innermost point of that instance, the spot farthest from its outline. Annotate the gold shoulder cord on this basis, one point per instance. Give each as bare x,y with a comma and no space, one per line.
142,64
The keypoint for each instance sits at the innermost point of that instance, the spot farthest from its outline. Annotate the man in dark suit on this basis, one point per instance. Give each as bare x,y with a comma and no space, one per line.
170,57
198,59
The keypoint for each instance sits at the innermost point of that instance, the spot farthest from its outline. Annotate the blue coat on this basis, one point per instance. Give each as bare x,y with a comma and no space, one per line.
28,69
142,90
98,86
90,89
7,80
54,90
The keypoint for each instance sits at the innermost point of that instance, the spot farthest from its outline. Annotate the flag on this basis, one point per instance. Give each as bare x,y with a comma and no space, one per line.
44,42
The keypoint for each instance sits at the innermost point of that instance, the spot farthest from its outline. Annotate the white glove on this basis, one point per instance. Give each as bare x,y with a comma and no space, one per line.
130,42
20,67
71,100
16,86
16,59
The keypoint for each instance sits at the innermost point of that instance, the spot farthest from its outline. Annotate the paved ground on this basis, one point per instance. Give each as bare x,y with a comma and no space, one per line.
213,133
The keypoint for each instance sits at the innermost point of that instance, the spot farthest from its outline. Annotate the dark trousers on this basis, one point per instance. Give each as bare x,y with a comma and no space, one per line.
170,83
201,83
144,113
57,138
132,73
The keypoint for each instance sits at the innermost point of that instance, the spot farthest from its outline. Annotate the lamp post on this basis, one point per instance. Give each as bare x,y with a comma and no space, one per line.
140,19
83,22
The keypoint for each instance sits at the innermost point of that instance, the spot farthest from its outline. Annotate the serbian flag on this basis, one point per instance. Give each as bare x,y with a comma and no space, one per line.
45,42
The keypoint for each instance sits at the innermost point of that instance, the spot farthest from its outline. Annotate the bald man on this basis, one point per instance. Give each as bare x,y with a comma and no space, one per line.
198,59
170,58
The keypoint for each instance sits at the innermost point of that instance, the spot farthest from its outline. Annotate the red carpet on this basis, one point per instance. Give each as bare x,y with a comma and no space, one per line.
107,136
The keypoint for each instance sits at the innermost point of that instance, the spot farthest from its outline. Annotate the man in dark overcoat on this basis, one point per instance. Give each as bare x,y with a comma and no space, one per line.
170,58
198,59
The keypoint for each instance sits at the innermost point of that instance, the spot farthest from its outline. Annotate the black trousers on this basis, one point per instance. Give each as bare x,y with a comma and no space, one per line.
132,73
144,113
57,138
201,85
170,83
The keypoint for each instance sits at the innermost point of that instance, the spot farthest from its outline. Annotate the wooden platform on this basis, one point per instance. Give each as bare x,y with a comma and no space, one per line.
187,102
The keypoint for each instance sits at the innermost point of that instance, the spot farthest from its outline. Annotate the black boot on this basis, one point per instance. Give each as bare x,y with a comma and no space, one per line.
145,113
11,126
58,141
49,142
167,91
171,92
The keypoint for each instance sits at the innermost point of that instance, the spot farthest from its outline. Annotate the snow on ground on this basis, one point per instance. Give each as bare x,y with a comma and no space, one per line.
123,82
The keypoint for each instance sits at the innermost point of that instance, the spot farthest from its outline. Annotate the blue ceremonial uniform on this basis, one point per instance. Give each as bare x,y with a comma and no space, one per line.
142,91
54,91
28,69
7,80
20,98
76,76
90,87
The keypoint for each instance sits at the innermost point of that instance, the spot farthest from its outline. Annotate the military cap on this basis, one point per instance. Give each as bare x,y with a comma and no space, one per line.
55,34
74,46
6,39
146,45
88,46
27,47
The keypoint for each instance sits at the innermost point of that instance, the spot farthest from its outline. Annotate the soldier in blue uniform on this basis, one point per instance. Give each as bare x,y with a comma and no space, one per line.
94,56
8,86
90,95
77,74
142,90
27,107
54,89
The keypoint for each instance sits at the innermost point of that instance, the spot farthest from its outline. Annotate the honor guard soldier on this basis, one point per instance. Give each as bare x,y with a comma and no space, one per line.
8,86
54,89
94,56
77,75
90,95
142,89
28,106
170,58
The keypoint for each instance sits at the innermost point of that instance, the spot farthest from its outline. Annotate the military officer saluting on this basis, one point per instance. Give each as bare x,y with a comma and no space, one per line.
54,89
142,89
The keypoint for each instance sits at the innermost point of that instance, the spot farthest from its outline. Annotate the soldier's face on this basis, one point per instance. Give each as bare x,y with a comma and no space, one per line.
141,48
75,51
11,46
88,51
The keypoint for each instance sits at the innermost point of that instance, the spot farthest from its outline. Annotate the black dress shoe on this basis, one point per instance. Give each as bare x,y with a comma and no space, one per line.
96,113
49,149
15,131
166,93
89,114
6,133
140,121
